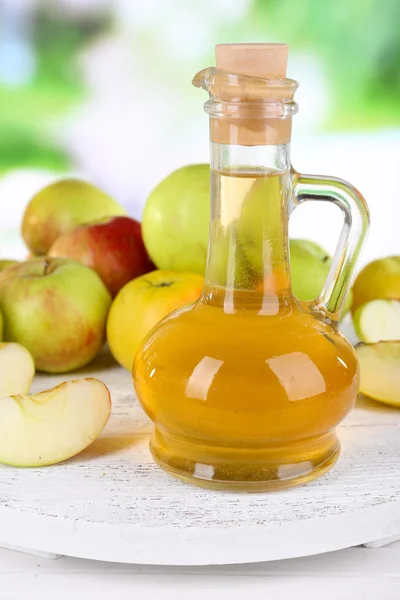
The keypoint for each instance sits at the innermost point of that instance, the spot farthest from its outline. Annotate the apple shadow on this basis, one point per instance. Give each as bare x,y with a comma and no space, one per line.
108,445
104,360
368,404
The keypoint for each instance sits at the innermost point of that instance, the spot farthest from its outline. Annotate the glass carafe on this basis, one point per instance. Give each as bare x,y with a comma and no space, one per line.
246,387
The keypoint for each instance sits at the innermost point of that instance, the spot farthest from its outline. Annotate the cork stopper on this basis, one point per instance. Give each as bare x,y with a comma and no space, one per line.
268,61
261,71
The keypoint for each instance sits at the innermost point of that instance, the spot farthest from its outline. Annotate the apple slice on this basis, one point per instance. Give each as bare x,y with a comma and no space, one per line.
47,428
378,320
17,369
380,371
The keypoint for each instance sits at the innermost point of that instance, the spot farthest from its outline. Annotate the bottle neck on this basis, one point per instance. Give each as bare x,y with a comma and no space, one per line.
248,248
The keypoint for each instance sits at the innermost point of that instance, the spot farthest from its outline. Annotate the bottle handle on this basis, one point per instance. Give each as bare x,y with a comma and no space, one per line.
353,235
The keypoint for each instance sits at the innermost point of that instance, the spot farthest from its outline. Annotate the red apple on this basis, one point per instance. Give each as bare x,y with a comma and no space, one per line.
113,247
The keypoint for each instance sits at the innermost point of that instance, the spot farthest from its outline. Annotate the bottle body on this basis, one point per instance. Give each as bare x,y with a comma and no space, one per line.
246,387
243,400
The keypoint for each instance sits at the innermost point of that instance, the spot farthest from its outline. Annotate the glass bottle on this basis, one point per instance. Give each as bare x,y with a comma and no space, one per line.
246,387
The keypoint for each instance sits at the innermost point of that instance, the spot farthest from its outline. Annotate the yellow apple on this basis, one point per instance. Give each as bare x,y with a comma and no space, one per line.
54,425
142,303
17,369
380,279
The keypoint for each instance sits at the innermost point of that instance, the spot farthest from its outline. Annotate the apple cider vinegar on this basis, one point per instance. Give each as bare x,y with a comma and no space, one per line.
246,387
255,382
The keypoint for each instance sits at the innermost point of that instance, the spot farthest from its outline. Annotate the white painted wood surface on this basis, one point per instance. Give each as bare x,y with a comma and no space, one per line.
353,574
113,503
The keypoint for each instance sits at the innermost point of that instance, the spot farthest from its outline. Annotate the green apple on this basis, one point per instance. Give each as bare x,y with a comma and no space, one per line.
260,232
309,270
260,222
311,249
59,208
54,425
176,220
176,228
57,308
4,263
228,264
378,320
17,369
379,279
310,264
380,371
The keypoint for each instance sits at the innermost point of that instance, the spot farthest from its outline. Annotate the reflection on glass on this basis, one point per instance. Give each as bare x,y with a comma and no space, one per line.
202,377
298,375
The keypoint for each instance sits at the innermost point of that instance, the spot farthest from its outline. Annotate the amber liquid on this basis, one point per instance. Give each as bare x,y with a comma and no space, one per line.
246,387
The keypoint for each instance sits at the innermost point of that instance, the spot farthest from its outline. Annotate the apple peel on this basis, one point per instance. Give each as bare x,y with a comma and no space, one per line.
54,425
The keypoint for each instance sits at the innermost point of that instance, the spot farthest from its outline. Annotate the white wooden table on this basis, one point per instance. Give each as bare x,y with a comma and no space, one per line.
354,574
358,573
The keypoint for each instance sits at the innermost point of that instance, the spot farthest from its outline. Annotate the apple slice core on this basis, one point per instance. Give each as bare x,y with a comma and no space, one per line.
380,371
54,425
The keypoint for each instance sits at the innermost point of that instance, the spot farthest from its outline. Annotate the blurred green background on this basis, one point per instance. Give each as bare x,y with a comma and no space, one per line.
102,88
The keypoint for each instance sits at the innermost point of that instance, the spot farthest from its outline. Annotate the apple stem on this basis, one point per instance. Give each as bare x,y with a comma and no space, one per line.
48,266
